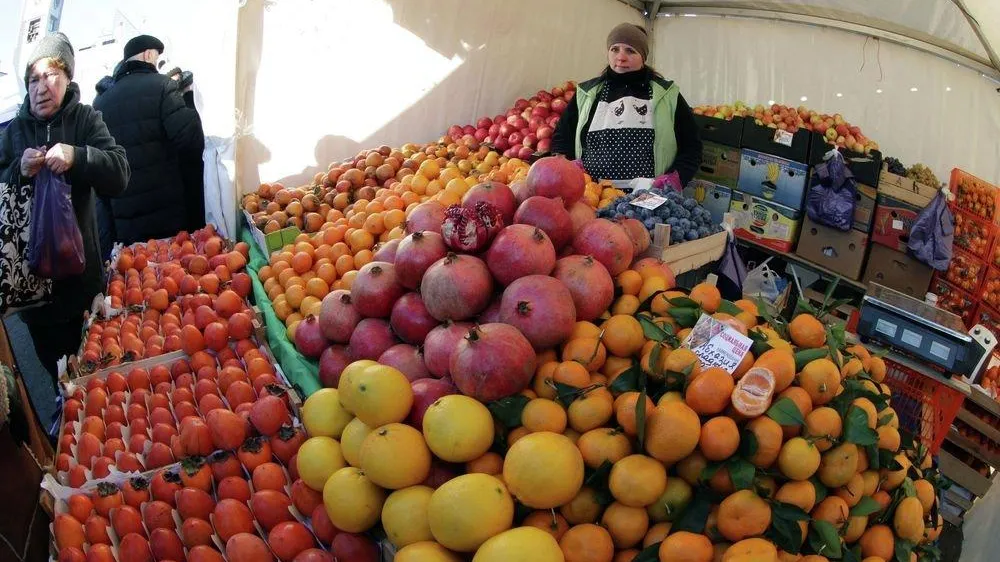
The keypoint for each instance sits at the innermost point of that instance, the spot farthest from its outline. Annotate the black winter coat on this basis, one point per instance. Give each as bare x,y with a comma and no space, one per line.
146,113
99,166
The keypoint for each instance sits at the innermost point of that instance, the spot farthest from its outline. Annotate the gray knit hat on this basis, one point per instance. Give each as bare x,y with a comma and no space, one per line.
56,46
631,35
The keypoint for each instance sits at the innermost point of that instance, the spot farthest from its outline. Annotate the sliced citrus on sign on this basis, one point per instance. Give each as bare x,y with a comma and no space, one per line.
753,392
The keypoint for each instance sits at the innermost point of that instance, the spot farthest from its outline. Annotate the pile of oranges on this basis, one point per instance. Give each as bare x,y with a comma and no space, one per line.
626,445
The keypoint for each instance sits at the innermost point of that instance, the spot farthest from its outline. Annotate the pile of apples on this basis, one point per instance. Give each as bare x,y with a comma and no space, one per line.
837,131
525,128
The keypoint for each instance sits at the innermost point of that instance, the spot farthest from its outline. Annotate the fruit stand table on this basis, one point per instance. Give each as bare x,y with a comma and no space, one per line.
303,373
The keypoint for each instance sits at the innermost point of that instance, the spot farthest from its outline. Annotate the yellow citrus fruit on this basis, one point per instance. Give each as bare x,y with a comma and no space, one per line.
925,493
318,458
552,523
542,414
489,463
888,438
543,470
523,544
629,281
627,525
351,440
623,335
743,515
823,424
878,541
458,428
637,480
833,510
908,521
855,528
806,331
720,438
852,491
376,394
591,411
839,465
681,360
707,296
427,551
672,432
748,550
404,516
323,415
686,546
671,502
820,379
891,479
799,459
351,370
466,511
798,493
868,408
584,508
587,543
769,438
656,534
878,369
395,456
603,444
781,363
626,305
353,502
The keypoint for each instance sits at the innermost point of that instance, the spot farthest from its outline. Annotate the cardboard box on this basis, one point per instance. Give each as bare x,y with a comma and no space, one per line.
721,131
273,240
773,178
719,164
765,222
840,252
905,184
763,139
716,198
895,211
898,271
864,207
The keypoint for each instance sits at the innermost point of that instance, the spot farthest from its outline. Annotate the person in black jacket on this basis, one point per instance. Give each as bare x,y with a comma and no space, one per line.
629,122
147,114
54,129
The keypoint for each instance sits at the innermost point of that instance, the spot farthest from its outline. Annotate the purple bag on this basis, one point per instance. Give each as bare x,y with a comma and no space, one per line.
55,250
830,200
933,232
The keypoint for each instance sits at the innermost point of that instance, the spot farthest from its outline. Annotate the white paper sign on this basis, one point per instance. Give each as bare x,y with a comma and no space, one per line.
717,344
783,137
648,201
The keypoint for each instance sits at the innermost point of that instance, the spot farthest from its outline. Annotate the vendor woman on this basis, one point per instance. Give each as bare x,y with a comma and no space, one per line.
630,122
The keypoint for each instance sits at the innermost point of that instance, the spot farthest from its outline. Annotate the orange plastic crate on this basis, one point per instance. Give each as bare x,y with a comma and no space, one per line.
975,195
925,407
953,299
966,271
974,234
987,316
991,288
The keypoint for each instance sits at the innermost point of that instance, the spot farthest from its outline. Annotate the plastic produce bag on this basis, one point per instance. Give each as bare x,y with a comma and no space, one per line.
830,200
56,245
933,232
732,271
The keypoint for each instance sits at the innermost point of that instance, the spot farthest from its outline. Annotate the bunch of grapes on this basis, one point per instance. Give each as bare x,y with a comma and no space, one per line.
895,166
687,219
922,174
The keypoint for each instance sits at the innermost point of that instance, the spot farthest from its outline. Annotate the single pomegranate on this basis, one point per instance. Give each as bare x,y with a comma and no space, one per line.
386,251
415,254
581,214
439,345
408,359
494,193
607,242
425,393
555,176
375,289
549,215
492,312
470,229
338,317
332,363
425,217
410,319
588,282
637,233
370,339
309,338
541,307
492,361
456,287
521,191
520,250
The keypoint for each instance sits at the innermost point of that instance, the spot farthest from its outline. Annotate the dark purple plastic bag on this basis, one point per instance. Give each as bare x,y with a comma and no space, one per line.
830,200
932,233
55,250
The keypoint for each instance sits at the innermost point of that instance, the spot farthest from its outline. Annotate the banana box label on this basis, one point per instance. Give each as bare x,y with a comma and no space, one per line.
763,222
716,198
773,179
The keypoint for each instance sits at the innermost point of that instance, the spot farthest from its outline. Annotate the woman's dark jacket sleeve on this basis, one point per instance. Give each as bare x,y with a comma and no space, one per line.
689,148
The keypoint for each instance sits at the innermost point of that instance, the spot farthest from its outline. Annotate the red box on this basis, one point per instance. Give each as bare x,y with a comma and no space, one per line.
894,217
977,196
953,299
967,272
925,406
991,288
973,233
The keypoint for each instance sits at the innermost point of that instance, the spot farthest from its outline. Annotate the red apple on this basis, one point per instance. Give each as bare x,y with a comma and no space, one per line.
455,131
515,138
558,92
544,132
520,123
506,129
481,134
499,119
468,130
501,143
493,129
525,152
540,110
559,105
484,123
529,140
513,119
520,104
544,145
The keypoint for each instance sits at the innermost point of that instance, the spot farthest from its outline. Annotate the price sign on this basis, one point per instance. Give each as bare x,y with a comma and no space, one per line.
648,201
783,137
717,344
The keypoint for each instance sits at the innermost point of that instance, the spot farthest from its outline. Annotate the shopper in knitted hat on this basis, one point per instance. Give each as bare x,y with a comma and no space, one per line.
630,122
53,129
148,114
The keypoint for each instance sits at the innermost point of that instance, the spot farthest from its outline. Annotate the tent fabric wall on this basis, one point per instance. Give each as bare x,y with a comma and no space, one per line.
722,59
319,81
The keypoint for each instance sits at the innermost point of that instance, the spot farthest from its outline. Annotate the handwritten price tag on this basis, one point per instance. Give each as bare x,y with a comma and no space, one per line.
717,344
648,201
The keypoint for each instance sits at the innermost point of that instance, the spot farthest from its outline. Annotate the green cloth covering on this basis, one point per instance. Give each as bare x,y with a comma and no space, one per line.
303,373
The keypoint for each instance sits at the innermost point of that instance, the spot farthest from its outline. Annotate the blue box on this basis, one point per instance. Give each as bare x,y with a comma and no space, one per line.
773,179
712,196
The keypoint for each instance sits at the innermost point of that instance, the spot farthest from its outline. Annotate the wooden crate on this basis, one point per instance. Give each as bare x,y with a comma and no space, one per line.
686,256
